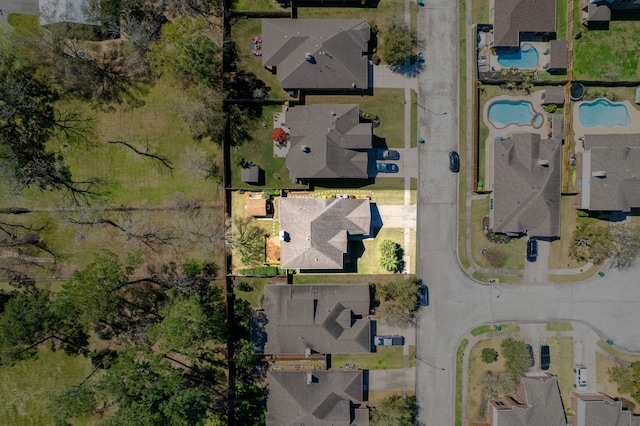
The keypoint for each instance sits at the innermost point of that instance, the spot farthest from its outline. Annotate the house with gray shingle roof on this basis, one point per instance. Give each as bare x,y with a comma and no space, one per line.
608,173
553,95
315,231
597,409
511,18
308,319
331,398
327,142
536,402
526,185
318,54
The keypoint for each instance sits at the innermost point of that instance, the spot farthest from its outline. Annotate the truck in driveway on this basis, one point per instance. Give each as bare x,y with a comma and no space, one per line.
388,340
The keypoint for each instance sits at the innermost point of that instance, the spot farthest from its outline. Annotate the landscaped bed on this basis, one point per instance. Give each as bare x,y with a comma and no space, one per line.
476,403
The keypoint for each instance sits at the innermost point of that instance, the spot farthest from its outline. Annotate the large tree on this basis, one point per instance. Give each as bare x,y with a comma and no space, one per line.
395,411
398,301
627,379
516,357
398,44
591,242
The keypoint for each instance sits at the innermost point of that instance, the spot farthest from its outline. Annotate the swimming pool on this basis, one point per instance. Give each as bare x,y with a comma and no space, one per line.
602,112
504,113
525,57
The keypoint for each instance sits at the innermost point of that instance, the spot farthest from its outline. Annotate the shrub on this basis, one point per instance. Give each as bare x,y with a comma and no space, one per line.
375,58
582,213
489,355
268,193
244,286
551,108
389,255
192,267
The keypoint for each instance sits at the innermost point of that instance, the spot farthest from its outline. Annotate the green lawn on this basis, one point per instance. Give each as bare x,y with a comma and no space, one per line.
256,6
561,351
515,251
26,387
241,33
385,358
368,261
616,60
346,278
414,118
254,296
480,12
462,137
561,20
559,249
459,364
503,279
559,326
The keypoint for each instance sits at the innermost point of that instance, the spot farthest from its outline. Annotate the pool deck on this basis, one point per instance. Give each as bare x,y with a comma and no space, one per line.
540,46
536,101
579,131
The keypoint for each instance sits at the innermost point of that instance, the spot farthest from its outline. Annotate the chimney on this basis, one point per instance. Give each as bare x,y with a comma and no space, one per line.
305,148
308,57
599,174
543,163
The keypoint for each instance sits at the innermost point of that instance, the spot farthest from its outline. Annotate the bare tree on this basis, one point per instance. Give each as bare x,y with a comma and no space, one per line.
146,153
23,248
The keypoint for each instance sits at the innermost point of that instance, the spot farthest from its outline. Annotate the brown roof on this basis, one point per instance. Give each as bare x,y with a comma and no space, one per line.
537,403
250,174
559,53
526,187
317,53
337,144
611,172
599,409
304,319
512,17
553,95
254,204
317,230
316,398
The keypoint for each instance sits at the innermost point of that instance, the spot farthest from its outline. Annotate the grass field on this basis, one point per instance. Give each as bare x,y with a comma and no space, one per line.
480,12
254,296
616,61
561,20
462,138
561,351
385,357
459,363
559,326
26,387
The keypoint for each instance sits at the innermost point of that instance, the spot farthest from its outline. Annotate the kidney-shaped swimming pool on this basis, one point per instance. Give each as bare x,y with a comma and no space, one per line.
504,113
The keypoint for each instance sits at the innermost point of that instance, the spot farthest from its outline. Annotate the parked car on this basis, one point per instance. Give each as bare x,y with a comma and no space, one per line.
454,162
387,154
580,372
532,360
387,168
532,250
545,357
388,340
424,295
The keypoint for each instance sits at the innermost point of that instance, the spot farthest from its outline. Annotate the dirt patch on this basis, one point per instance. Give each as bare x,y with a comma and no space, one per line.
273,250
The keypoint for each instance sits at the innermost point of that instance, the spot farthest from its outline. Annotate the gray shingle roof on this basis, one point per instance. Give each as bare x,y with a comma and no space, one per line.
526,188
338,143
250,174
336,48
326,319
544,405
559,53
598,12
318,230
557,130
618,156
599,409
553,95
315,398
512,17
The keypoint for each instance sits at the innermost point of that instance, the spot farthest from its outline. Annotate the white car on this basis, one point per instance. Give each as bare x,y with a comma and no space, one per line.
581,376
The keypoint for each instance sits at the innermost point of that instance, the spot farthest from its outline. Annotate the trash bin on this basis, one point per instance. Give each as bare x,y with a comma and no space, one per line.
421,140
610,342
601,273
498,327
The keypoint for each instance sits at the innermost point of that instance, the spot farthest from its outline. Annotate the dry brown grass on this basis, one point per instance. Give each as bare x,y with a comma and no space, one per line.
477,369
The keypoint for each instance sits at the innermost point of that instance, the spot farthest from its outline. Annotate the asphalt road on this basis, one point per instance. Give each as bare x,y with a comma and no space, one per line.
457,303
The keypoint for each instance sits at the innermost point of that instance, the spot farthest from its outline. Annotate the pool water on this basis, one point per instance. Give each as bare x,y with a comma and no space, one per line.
603,113
525,57
504,113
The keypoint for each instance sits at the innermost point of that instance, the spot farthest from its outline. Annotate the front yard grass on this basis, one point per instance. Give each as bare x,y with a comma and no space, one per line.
616,60
603,364
559,326
476,404
502,279
515,250
385,358
368,261
26,388
347,278
388,104
459,363
559,249
561,351
480,12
